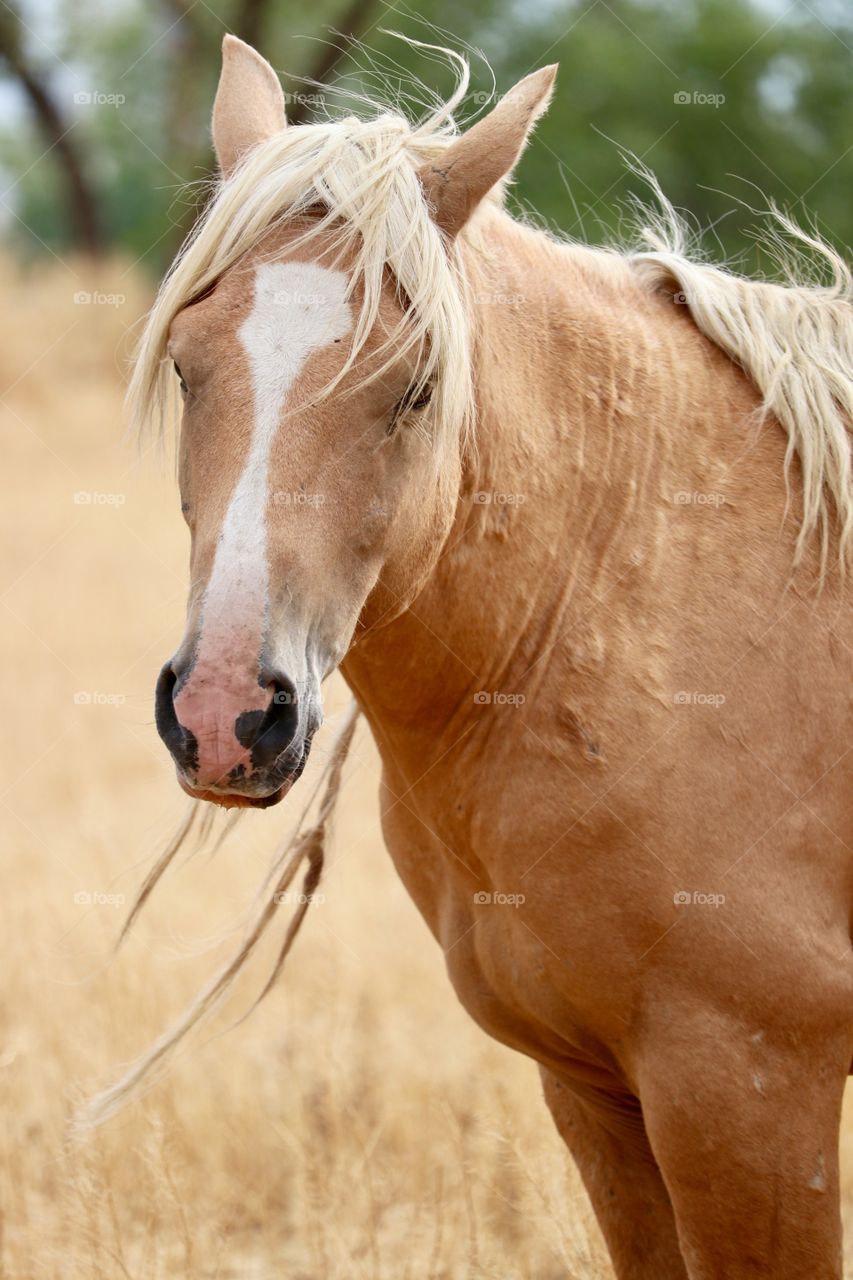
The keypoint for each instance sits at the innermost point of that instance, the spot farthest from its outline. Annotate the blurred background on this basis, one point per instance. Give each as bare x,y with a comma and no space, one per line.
105,104
359,1124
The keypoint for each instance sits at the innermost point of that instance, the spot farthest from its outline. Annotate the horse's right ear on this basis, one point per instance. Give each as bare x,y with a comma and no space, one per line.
249,105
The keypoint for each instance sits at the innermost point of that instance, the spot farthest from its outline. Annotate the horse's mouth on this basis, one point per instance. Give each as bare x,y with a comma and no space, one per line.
260,792
234,799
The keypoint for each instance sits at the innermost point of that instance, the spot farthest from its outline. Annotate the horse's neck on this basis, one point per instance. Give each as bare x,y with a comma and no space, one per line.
542,504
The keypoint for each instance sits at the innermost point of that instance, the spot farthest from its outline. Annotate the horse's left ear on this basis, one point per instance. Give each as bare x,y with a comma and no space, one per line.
455,182
249,105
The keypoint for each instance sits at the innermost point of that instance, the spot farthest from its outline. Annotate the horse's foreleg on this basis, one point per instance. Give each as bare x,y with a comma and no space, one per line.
746,1137
624,1185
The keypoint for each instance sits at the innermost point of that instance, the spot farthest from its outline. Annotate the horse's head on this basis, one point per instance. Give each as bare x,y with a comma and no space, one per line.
318,330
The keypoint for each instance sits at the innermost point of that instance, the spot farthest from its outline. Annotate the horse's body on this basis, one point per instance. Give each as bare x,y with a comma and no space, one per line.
605,797
615,721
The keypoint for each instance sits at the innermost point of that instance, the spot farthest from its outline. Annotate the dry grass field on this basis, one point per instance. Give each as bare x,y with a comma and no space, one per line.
358,1124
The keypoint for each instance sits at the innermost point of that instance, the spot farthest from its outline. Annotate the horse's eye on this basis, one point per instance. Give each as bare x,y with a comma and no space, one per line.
184,387
421,400
413,402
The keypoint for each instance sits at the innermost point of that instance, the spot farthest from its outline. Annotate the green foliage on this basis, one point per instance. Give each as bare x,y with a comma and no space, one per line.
763,113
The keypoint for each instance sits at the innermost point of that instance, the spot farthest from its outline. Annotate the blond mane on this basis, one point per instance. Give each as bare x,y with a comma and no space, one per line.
795,343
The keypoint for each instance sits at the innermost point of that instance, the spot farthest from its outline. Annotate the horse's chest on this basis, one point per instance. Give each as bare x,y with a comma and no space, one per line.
500,972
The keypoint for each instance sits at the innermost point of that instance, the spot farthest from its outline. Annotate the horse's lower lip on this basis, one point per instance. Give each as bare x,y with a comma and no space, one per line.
234,799
279,781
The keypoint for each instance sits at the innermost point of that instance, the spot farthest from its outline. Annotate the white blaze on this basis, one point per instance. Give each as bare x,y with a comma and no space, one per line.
299,307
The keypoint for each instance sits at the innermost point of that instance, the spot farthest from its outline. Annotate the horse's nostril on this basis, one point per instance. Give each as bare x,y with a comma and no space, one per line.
180,671
283,691
179,740
164,707
267,734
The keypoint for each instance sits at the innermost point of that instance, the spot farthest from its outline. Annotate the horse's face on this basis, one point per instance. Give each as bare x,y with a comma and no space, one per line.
301,506
311,514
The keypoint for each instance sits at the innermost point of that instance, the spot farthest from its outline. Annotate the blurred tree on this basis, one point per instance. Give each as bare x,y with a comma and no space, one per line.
56,131
731,102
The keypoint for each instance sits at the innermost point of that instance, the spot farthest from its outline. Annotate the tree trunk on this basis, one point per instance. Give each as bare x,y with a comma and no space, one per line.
57,132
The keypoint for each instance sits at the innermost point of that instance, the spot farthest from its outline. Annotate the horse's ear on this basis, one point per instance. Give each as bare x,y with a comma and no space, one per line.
249,105
455,182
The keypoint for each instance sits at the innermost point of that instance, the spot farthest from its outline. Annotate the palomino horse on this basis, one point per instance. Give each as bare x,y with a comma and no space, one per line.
573,523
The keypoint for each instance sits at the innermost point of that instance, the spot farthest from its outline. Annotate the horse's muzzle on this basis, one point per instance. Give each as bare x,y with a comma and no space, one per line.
237,743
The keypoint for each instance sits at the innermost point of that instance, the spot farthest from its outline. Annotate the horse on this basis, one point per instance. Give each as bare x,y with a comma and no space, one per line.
575,524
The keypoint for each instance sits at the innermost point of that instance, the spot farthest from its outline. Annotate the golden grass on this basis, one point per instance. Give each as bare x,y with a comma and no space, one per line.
359,1124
